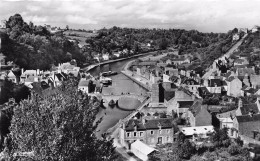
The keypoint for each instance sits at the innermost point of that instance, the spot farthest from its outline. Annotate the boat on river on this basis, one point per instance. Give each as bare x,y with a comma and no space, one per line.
109,73
105,81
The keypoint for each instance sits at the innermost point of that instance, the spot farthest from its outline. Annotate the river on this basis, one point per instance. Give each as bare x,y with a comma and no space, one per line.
120,84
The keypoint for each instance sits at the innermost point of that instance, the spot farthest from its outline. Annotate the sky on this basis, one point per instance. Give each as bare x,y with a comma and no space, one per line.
201,15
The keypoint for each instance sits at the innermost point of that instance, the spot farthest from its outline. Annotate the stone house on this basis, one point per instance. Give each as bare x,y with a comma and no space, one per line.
234,86
198,115
180,94
214,85
245,109
183,107
150,132
84,85
245,125
194,133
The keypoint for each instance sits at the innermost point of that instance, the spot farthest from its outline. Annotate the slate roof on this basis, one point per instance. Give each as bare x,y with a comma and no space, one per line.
83,82
165,123
212,82
245,109
169,95
185,104
189,81
197,107
248,118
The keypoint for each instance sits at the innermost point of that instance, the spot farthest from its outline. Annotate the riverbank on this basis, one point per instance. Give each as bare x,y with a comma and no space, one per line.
116,60
143,82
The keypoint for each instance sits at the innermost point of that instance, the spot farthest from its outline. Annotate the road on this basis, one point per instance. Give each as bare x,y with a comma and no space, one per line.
227,55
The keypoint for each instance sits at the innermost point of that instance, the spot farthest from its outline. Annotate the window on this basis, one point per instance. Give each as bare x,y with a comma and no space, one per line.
141,134
128,134
151,132
160,131
167,138
135,134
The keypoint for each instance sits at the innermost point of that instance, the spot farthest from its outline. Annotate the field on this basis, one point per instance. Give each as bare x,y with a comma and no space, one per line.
79,36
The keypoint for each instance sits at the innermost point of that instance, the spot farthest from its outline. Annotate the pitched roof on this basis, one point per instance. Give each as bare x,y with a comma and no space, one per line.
197,107
245,109
83,82
185,104
196,130
213,82
142,147
248,118
149,124
169,95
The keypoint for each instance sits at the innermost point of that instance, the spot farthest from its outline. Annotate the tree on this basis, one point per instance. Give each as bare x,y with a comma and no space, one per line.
186,150
220,137
59,127
6,91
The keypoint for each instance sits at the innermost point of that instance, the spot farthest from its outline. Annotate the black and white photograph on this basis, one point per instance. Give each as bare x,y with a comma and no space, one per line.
129,80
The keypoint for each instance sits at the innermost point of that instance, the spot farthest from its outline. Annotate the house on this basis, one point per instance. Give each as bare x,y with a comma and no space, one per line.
241,61
235,37
198,115
245,30
214,85
245,125
226,120
3,24
149,131
234,86
255,81
84,85
179,61
245,109
198,131
183,107
191,84
12,77
105,56
255,29
141,150
181,94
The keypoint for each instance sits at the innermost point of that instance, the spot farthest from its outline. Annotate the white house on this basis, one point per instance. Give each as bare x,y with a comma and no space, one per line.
83,85
235,37
105,56
255,29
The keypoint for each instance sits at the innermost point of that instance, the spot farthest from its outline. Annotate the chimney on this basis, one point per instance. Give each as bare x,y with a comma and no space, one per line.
22,70
37,71
35,79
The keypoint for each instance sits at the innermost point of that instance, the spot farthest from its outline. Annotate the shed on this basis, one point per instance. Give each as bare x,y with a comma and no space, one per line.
141,150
